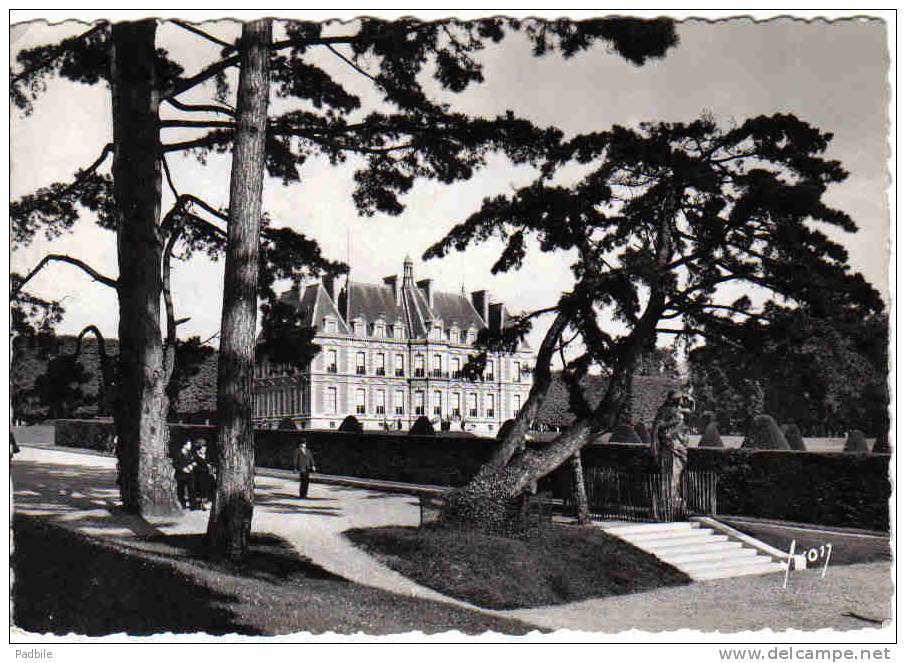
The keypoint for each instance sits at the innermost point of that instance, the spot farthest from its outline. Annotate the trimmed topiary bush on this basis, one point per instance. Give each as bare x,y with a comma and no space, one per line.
855,443
764,433
642,431
350,425
704,419
882,444
711,437
794,437
422,426
287,424
624,434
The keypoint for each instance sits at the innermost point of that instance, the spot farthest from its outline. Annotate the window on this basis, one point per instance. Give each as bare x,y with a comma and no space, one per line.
330,404
438,402
360,401
456,406
517,371
455,368
331,361
473,405
491,405
360,363
397,331
419,366
436,366
436,333
380,405
358,328
379,330
330,326
419,403
400,369
399,403
489,368
379,368
517,404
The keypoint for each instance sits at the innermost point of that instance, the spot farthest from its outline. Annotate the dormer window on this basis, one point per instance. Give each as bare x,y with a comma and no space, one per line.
379,330
436,333
471,334
358,327
397,330
330,325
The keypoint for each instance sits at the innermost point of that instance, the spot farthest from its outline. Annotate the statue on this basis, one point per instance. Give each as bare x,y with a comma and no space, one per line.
669,446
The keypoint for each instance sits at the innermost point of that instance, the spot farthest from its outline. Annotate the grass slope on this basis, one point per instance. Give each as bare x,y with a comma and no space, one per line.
69,583
847,548
560,564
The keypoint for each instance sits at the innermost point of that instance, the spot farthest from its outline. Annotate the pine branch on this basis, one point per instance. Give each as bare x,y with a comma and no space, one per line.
201,108
201,33
206,207
60,50
59,257
206,141
185,84
355,66
318,41
85,172
196,124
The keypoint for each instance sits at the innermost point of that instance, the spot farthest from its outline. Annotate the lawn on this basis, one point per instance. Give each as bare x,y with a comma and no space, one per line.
846,548
67,582
558,564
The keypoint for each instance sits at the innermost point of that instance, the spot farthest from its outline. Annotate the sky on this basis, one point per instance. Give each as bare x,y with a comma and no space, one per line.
830,74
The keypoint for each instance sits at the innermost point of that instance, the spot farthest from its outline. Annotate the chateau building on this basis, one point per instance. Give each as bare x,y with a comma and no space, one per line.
390,353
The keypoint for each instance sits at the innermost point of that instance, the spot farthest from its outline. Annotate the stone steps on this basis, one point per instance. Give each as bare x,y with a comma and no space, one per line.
697,550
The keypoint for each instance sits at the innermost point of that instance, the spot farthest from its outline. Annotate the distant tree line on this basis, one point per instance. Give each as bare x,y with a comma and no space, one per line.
823,368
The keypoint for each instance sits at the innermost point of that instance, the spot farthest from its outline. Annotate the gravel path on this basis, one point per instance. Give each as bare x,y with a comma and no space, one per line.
79,491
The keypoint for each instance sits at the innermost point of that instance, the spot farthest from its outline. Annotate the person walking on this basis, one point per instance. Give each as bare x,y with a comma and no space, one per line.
304,464
203,475
185,475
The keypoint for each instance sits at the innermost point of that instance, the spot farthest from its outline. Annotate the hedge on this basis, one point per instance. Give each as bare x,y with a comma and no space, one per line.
837,489
445,460
98,434
827,488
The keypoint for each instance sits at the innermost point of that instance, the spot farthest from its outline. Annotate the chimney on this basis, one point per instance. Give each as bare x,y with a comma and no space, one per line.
330,285
425,286
498,317
480,302
394,283
293,295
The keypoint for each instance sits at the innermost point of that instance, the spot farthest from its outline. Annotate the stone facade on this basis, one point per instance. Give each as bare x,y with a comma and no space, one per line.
392,352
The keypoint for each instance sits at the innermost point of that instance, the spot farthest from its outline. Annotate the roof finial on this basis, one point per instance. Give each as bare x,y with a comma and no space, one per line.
407,272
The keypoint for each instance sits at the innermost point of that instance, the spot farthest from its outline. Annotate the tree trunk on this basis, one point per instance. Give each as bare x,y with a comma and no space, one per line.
146,476
483,502
579,496
231,512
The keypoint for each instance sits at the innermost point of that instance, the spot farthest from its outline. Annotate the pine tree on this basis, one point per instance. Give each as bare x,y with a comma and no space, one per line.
664,217
408,137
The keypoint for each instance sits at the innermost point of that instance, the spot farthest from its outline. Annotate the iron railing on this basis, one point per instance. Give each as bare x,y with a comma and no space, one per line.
647,496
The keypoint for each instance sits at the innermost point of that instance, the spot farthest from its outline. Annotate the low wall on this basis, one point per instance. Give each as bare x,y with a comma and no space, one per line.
838,489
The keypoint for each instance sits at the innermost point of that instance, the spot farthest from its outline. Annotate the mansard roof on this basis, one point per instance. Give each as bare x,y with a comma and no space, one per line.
316,305
372,302
412,306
